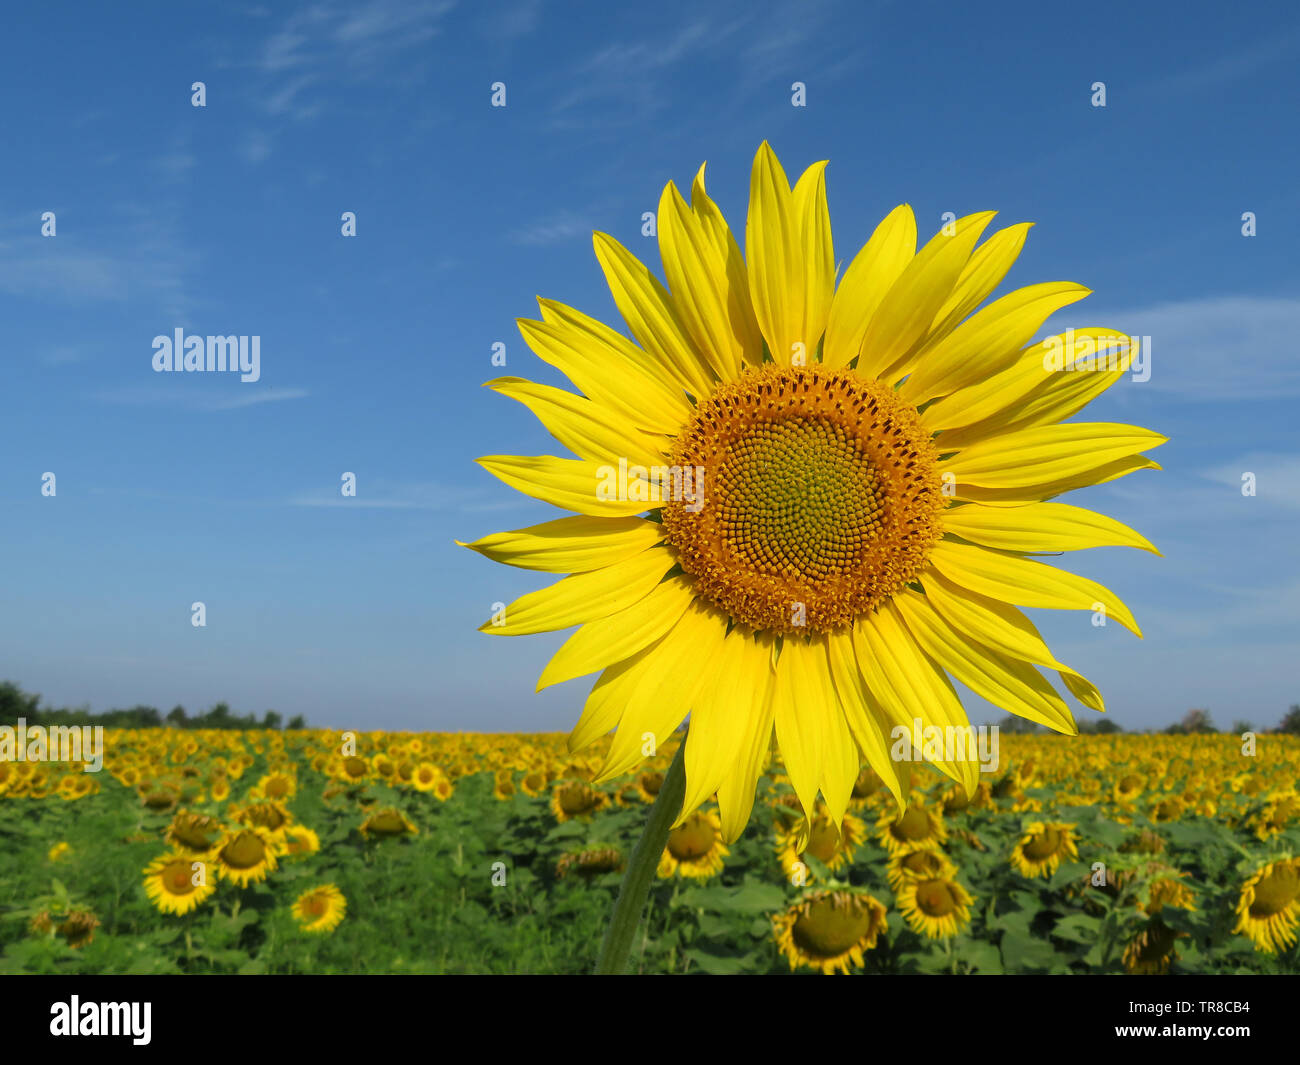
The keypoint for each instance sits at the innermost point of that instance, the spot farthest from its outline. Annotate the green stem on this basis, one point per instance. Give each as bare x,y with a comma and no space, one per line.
641,868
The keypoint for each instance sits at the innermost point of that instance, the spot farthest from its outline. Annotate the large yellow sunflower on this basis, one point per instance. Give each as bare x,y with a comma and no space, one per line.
320,909
800,507
829,930
178,882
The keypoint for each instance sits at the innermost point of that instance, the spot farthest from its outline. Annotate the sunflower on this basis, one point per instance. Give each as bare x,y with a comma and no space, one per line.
1269,907
833,846
503,786
574,799
695,848
1167,890
195,834
920,827
1128,787
1151,951
937,907
320,909
799,508
918,865
78,928
279,786
829,930
1041,849
59,850
299,839
533,783
648,784
387,823
426,776
177,882
590,861
246,855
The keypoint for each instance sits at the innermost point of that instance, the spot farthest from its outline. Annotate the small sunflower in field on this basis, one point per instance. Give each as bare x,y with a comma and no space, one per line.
178,882
351,769
195,834
279,786
1170,808
503,786
590,861
443,789
868,784
426,776
1167,889
1269,907
220,789
59,851
572,799
272,816
937,907
300,840
1144,842
648,784
829,930
1273,819
918,865
533,783
246,855
833,847
695,848
955,799
388,823
919,828
321,909
1042,848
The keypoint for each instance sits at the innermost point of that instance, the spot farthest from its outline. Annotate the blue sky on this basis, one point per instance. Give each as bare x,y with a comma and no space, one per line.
361,613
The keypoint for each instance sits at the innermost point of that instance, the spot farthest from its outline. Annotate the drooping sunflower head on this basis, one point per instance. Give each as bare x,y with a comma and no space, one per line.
920,827
194,833
246,855
1042,848
918,865
694,848
590,861
1151,951
388,823
573,799
1268,910
790,493
936,906
830,930
832,845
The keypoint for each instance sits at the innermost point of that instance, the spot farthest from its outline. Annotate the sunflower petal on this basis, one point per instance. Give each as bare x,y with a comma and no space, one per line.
584,427
740,306
1005,682
1041,527
574,484
570,545
1012,579
818,252
865,284
984,271
584,597
866,720
736,792
648,310
774,254
900,324
1046,454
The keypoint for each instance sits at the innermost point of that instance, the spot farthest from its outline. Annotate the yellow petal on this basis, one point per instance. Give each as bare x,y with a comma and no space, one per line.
988,342
570,545
740,307
1023,581
650,315
584,597
899,325
582,426
697,278
1005,682
866,720
774,254
669,682
1003,628
1033,493
866,282
801,703
725,711
1041,527
983,272
818,252
611,639
909,685
1048,453
1001,395
736,792
580,485
607,367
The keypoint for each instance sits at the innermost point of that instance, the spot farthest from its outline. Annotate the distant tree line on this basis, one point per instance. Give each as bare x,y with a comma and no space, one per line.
16,703
1194,723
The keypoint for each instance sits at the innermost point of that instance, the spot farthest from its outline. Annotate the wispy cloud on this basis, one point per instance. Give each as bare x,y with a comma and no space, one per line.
553,229
1277,477
1223,348
198,397
1213,70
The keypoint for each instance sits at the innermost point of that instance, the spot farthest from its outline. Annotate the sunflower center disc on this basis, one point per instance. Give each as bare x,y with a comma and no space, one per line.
820,498
830,926
1275,892
935,899
1043,845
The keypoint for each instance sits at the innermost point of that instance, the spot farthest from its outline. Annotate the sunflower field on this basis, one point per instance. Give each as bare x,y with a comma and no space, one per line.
326,852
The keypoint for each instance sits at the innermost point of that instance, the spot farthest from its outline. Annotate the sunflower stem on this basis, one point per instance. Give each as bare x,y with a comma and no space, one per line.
641,868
